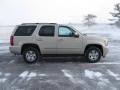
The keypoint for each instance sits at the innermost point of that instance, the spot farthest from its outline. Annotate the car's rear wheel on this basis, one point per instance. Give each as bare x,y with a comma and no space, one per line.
93,54
31,55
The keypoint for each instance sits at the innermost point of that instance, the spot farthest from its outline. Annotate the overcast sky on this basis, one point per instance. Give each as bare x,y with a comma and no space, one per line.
60,11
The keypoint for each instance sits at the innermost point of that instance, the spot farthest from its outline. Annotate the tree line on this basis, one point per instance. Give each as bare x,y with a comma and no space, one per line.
90,19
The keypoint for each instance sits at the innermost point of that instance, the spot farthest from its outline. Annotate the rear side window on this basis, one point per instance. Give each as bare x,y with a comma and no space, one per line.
24,30
47,31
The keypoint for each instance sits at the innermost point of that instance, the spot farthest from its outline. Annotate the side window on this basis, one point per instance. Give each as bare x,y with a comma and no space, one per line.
47,31
65,32
25,30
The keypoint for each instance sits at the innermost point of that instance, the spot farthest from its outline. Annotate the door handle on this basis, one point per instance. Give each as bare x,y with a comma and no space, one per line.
39,39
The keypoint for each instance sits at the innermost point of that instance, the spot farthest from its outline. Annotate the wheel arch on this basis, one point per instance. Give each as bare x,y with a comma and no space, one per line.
94,45
24,46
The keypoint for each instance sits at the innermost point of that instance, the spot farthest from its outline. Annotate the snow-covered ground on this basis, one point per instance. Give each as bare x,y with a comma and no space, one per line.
104,75
5,32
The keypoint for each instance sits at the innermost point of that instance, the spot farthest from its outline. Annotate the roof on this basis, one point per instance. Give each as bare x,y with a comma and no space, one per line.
37,23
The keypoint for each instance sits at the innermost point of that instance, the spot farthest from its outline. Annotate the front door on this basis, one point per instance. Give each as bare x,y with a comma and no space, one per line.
67,43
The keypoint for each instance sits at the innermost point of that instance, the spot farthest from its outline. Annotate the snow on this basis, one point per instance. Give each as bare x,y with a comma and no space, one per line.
102,81
92,74
0,73
3,77
67,74
101,84
2,80
34,74
31,75
4,49
42,75
116,76
5,33
7,74
24,74
74,79
12,61
98,77
108,63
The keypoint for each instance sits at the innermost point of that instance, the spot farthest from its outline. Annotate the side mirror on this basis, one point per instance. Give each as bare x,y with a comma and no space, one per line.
76,35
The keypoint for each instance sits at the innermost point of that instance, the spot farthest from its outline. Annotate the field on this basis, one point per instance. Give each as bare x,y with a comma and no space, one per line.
71,73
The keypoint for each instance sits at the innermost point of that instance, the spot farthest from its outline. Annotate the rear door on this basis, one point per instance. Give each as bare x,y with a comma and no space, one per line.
47,39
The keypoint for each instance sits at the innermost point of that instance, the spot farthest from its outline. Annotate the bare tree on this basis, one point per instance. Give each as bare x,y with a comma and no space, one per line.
116,14
89,20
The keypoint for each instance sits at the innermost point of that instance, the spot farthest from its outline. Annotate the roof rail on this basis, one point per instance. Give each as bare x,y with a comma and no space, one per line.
38,23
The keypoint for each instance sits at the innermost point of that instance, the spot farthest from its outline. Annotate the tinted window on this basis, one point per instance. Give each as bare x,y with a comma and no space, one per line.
25,30
47,31
65,31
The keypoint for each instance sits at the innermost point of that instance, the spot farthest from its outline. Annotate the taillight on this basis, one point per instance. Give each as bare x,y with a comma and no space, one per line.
12,40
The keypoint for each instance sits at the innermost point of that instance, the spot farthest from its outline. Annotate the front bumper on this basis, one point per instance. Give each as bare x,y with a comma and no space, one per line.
105,51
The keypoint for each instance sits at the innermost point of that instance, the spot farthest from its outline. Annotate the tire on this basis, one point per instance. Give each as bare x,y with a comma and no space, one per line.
31,55
93,54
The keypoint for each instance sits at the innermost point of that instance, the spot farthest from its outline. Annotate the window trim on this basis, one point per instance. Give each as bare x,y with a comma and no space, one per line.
44,26
69,29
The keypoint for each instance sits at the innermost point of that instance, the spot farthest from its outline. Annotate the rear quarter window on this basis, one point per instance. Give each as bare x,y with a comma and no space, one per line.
25,30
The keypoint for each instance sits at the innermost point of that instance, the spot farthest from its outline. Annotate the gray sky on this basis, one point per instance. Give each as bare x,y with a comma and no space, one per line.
61,11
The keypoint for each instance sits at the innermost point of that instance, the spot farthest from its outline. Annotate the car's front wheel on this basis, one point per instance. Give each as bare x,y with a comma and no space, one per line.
93,54
31,55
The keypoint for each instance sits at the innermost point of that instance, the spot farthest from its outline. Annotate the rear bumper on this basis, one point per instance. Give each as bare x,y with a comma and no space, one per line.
15,50
105,51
